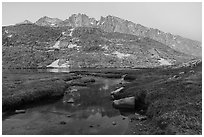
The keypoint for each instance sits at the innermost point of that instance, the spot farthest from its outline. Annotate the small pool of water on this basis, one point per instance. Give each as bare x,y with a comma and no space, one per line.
84,110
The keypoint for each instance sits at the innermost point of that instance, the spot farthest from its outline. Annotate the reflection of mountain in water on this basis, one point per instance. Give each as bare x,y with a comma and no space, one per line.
89,101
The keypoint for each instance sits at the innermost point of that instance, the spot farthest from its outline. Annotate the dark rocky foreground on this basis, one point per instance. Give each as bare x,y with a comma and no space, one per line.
168,101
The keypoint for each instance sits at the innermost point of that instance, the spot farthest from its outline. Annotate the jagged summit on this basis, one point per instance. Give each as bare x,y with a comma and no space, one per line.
115,24
47,21
79,20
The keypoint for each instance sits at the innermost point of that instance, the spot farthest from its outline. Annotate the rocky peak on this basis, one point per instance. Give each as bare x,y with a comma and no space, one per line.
45,17
47,21
80,20
184,45
116,24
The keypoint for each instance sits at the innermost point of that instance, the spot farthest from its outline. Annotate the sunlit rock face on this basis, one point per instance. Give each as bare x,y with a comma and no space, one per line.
47,21
79,20
184,45
116,24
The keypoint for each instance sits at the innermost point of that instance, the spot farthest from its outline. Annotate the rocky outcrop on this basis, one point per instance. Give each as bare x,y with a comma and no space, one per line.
116,92
47,21
125,103
184,45
79,20
116,24
192,63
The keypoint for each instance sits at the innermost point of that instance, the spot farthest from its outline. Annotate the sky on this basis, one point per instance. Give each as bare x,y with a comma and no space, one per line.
178,18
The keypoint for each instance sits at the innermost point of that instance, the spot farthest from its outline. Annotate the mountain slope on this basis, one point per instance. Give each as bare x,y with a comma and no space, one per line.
24,45
115,24
32,46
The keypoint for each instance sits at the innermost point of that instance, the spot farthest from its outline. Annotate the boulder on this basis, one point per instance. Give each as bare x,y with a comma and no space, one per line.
71,100
123,118
73,90
175,76
139,101
113,123
125,103
181,73
112,97
191,71
117,91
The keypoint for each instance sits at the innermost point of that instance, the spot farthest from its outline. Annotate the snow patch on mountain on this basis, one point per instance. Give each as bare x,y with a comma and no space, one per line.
56,46
10,35
70,34
164,62
56,64
105,47
98,23
120,55
106,54
72,45
50,50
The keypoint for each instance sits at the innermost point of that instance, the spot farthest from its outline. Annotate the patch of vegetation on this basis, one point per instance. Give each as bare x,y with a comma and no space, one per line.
92,49
20,89
174,103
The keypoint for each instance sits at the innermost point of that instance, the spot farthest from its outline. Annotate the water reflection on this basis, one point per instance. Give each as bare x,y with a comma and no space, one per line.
91,112
68,70
106,85
56,70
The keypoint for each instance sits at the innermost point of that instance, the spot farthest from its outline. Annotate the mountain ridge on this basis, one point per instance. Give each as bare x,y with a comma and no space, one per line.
34,46
47,21
115,24
105,17
83,42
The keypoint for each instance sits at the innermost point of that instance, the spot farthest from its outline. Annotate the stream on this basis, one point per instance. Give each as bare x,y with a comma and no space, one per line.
82,111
